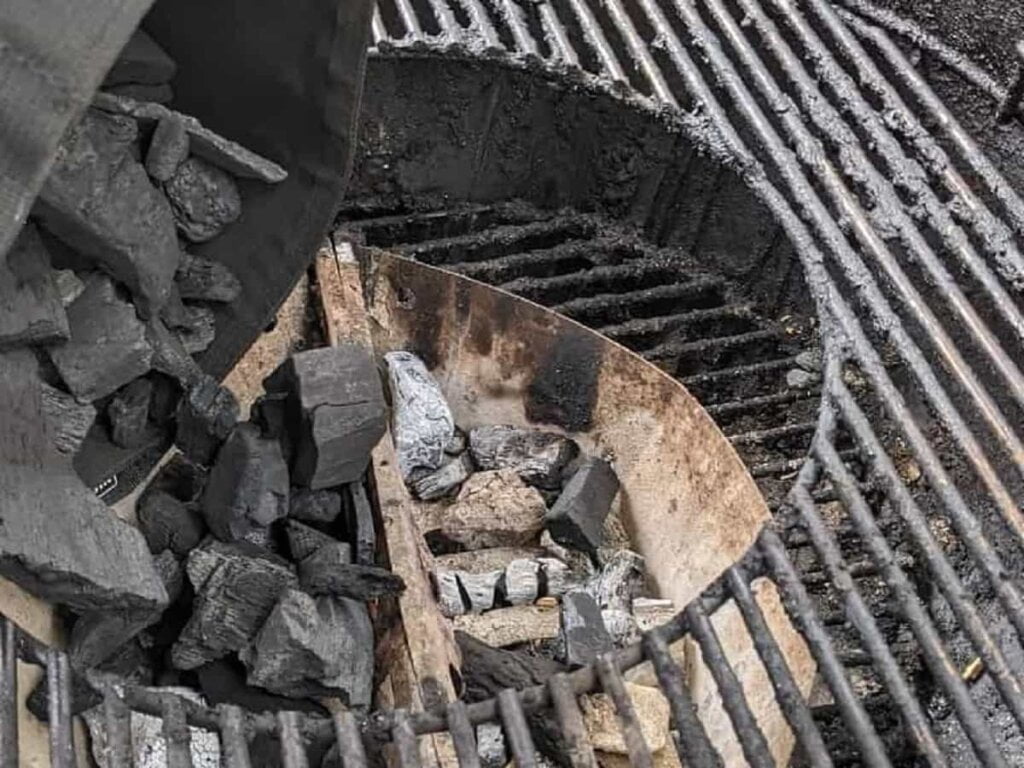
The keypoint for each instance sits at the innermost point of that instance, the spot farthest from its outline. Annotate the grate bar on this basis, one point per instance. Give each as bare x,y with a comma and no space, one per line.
679,350
177,739
517,732
612,684
8,694
579,752
117,723
407,14
595,38
404,739
639,51
619,305
58,686
293,751
462,734
513,17
234,750
481,24
759,436
558,38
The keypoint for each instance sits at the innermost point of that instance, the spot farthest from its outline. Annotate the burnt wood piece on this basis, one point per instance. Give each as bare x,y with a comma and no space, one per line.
99,201
202,279
512,626
520,584
421,422
622,578
206,415
314,647
128,413
621,625
445,481
577,518
169,523
335,412
328,571
458,444
67,420
479,560
449,594
359,522
539,457
172,573
303,540
141,61
479,590
204,199
31,311
322,507
248,485
493,509
237,585
196,328
168,148
584,635
108,345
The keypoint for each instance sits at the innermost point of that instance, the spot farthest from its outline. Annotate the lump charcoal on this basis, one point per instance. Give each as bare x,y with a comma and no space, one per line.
108,346
449,594
359,523
248,485
322,506
421,421
141,61
158,94
31,311
202,279
179,477
83,697
458,444
444,481
521,582
480,560
128,413
303,541
493,509
203,198
99,201
168,148
207,413
223,682
67,420
170,357
579,563
584,635
555,577
577,519
98,635
314,647
621,625
490,746
237,585
204,143
172,573
336,412
69,285
538,456
166,394
621,579
168,523
328,571
479,590
261,536
196,329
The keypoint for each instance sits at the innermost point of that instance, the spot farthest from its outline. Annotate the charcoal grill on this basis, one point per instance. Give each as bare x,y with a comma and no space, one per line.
897,545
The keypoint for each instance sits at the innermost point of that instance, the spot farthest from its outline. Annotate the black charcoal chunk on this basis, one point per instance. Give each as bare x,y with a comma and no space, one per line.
622,578
237,585
169,523
204,199
206,415
108,346
196,329
314,647
329,571
539,457
577,519
98,635
167,149
421,421
202,279
303,540
128,413
83,697
172,573
584,635
223,682
359,523
169,355
69,285
158,94
248,485
321,506
268,412
67,420
99,201
335,413
445,481
479,590
141,61
179,477
31,311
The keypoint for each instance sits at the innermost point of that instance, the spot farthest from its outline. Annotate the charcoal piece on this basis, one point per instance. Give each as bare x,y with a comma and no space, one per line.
31,311
269,413
207,413
555,576
480,560
579,563
168,523
321,507
493,509
539,457
158,94
168,148
108,346
99,201
622,578
237,585
359,523
248,484
329,572
165,397
169,355
179,477
621,626
421,421
520,584
83,697
128,413
67,420
303,541
584,635
196,329
261,536
204,143
577,518
449,594
98,635
223,682
490,746
445,481
479,590
336,413
68,284
174,313
203,198
172,573
202,279
141,61
457,445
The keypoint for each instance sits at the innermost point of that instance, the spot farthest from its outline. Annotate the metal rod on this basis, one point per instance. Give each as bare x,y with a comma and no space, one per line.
595,38
557,36
404,739
407,14
517,732
480,23
8,694
379,31
177,739
234,749
641,53
293,749
463,737
612,683
579,752
58,686
117,722
513,16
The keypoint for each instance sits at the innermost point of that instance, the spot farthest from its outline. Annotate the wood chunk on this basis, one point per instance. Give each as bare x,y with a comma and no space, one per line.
203,198
583,632
100,202
67,420
444,481
602,723
421,421
202,279
479,590
31,311
458,444
248,485
449,594
521,582
108,346
303,541
577,518
510,626
622,578
167,149
360,525
168,523
206,416
336,412
651,613
329,572
128,413
480,560
556,578
538,456
493,509
142,60
321,507
487,670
